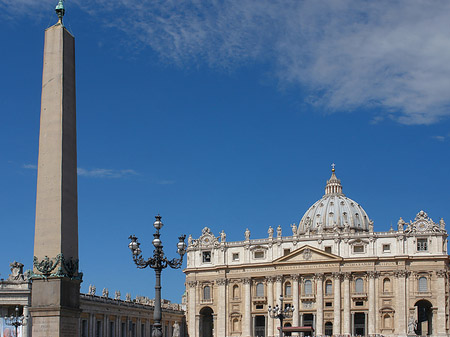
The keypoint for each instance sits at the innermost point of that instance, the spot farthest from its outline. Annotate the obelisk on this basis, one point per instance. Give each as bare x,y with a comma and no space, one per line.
56,280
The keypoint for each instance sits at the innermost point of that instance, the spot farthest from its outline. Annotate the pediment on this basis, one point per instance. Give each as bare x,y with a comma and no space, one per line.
308,254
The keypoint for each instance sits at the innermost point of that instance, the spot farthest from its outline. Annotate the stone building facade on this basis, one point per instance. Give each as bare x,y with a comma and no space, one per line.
102,314
341,276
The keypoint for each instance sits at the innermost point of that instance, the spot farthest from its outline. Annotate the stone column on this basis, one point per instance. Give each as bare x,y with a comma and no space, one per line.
221,308
346,296
371,300
337,304
295,301
400,308
27,322
56,225
247,319
269,282
279,292
441,305
192,320
319,304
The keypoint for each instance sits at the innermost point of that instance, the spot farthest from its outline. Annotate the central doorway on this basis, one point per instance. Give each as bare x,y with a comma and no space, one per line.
424,318
308,320
359,324
260,326
206,322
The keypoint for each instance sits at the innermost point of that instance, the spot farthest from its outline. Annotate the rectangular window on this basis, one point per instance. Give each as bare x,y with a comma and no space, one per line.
359,303
328,304
98,329
111,329
259,255
133,329
328,249
84,328
386,248
422,245
286,251
235,256
358,249
123,329
328,288
259,306
206,257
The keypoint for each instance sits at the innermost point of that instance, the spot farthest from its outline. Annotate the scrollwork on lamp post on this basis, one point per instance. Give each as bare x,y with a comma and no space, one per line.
158,262
279,313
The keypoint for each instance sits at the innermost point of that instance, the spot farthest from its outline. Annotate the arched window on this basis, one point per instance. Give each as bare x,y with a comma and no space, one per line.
207,293
359,285
386,285
236,292
308,287
328,287
423,284
260,289
287,289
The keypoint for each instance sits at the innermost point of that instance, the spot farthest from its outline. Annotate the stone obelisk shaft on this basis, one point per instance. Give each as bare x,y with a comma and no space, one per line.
56,286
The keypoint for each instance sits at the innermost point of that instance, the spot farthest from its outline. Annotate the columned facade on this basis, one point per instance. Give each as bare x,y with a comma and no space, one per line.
342,278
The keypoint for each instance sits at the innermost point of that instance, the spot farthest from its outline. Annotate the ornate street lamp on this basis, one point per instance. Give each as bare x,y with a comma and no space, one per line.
15,320
279,313
158,262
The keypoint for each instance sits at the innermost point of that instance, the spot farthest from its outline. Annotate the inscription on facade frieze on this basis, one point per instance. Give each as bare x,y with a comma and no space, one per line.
356,264
387,263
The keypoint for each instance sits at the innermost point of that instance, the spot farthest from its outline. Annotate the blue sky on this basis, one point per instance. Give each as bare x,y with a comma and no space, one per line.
227,114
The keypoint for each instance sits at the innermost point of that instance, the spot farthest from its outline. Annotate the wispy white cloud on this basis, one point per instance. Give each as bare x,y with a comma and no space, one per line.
96,172
345,54
165,182
106,173
440,138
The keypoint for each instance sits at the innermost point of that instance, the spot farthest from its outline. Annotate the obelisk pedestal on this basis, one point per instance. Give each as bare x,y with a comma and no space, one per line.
56,280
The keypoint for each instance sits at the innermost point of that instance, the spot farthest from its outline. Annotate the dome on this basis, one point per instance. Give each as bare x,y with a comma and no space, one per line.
335,212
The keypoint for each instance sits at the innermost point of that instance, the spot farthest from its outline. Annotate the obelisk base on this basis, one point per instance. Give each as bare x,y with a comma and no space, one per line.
55,307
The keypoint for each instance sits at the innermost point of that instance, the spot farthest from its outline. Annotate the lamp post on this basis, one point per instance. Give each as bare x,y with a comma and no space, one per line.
279,313
16,320
158,262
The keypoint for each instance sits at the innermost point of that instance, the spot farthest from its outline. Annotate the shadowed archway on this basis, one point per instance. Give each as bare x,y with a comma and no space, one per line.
206,322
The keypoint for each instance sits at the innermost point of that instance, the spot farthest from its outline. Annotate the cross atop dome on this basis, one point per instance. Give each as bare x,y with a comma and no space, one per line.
333,184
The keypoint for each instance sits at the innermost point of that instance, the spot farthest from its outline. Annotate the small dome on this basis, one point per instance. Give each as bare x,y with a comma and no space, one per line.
334,210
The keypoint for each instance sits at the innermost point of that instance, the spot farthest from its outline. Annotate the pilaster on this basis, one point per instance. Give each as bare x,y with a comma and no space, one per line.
319,304
247,319
337,304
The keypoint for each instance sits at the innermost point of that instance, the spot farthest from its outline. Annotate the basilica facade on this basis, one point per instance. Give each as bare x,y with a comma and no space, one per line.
341,276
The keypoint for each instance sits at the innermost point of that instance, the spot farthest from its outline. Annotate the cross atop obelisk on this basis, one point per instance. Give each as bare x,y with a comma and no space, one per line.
56,280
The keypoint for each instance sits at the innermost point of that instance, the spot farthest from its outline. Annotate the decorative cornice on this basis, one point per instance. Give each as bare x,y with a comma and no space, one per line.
269,279
246,280
295,277
222,281
401,273
337,276
441,273
192,284
319,276
347,275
